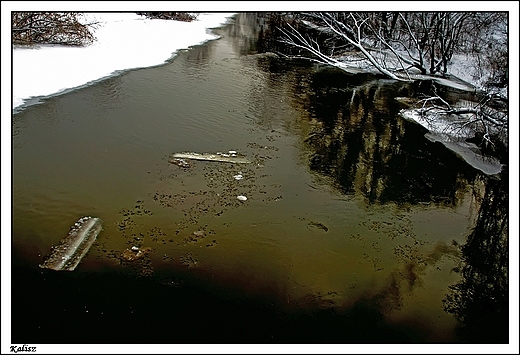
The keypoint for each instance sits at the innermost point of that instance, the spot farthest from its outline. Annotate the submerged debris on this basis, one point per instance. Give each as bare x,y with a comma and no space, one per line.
195,236
188,260
199,233
135,253
317,225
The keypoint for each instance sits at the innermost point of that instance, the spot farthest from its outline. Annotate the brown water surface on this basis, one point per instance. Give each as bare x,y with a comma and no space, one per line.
348,206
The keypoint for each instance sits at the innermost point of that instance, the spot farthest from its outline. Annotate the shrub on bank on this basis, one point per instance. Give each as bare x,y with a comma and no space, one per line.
64,28
177,16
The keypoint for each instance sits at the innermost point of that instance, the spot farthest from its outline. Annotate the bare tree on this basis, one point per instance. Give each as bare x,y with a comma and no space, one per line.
403,45
352,32
486,39
396,44
491,122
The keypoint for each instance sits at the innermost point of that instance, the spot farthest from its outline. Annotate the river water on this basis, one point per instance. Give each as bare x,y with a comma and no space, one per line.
356,228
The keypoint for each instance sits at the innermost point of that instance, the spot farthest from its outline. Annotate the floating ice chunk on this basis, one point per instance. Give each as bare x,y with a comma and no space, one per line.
242,198
224,158
180,162
238,177
75,245
470,153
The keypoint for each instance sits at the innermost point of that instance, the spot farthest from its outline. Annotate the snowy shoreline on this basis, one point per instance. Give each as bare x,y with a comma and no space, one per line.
124,41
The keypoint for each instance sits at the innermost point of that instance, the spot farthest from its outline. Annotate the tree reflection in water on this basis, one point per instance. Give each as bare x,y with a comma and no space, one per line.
480,301
358,142
364,147
361,145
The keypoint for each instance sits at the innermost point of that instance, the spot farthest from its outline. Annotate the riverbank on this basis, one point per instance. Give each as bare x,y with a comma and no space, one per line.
124,41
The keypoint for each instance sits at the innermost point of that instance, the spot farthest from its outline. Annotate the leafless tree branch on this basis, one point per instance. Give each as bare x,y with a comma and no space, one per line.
51,28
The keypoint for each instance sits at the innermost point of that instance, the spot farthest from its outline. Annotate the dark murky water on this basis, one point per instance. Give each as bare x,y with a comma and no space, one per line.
356,229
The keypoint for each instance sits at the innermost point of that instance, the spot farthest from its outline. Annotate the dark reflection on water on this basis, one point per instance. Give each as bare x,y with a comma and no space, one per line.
480,301
360,138
348,235
107,308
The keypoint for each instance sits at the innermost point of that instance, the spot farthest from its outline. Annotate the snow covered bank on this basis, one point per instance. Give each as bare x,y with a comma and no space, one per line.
452,132
124,41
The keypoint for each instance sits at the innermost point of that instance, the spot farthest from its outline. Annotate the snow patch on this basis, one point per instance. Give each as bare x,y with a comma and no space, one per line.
124,41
